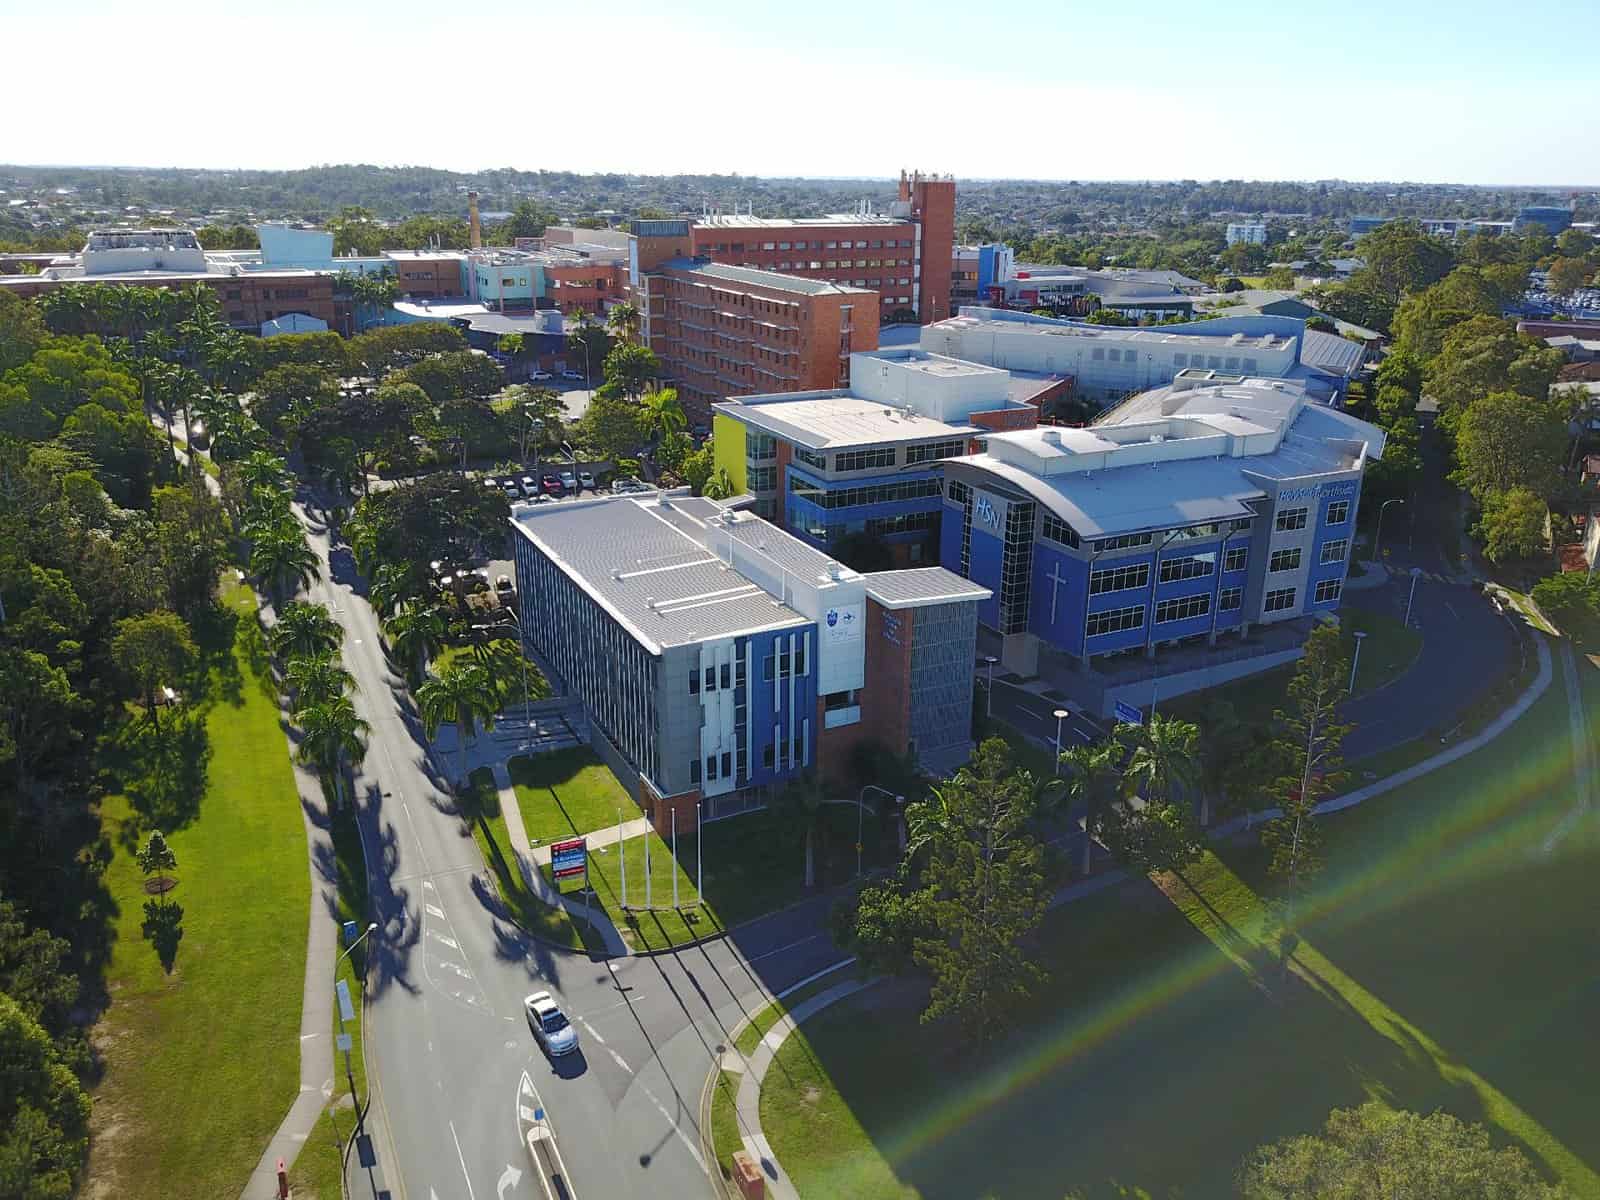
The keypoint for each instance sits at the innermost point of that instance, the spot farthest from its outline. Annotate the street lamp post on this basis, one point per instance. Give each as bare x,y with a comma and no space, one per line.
1412,594
522,653
349,1074
1355,661
989,661
861,807
1377,536
1060,714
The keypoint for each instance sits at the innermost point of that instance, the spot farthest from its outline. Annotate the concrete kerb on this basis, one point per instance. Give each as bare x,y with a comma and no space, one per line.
750,1082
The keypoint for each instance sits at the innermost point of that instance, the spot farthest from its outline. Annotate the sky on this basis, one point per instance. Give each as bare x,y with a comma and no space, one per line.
1469,92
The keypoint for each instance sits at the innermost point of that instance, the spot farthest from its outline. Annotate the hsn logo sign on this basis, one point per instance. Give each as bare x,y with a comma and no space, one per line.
986,512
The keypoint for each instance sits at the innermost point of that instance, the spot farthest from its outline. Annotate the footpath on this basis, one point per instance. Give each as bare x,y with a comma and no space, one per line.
753,1070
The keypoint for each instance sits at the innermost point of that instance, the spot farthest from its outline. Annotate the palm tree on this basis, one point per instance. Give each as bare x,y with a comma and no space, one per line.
316,679
416,635
799,809
1092,776
330,733
1163,758
262,469
305,631
661,413
623,321
394,584
283,562
463,694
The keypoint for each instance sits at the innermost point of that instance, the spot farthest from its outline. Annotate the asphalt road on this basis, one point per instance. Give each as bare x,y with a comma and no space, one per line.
447,1040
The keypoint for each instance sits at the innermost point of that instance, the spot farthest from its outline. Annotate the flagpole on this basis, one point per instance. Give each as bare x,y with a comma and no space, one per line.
622,860
674,856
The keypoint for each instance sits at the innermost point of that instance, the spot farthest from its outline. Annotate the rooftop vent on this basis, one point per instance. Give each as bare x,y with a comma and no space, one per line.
1051,437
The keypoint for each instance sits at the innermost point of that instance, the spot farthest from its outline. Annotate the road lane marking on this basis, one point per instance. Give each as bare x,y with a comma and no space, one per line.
471,1195
591,1030
619,1060
694,1151
434,910
781,949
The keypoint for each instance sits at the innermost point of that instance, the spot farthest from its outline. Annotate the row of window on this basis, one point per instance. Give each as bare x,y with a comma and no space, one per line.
864,460
713,762
1115,620
1119,579
781,665
1183,608
851,497
1188,566
1289,560
1126,541
1054,528
929,451
714,678
844,264
1290,519
1231,362
880,244
917,522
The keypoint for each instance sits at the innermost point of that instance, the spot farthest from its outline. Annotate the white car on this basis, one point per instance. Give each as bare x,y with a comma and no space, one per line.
586,479
550,1025
541,375
570,374
569,481
530,486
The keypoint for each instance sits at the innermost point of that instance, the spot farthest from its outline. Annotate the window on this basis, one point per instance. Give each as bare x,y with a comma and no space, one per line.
1098,354
1055,529
727,764
1230,598
1236,558
1183,608
811,458
1126,541
1279,600
1328,589
780,665
1115,620
694,771
962,494
1290,519
711,767
711,679
1189,566
904,523
852,497
1284,560
1119,579
727,675
1338,512
932,450
862,460
694,682
1336,550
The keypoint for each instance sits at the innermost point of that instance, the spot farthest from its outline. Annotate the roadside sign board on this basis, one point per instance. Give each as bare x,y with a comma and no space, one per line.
1128,714
567,858
347,1011
352,931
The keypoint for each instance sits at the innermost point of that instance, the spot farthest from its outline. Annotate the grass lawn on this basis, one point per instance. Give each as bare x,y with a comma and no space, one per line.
202,1062
527,910
750,1036
725,1120
665,926
1386,652
568,792
1438,967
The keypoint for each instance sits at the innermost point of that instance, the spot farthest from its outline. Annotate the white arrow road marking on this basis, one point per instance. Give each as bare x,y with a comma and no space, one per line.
508,1179
434,911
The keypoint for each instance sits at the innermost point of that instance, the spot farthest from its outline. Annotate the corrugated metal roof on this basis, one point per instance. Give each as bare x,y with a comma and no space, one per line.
918,587
659,582
661,228
1330,352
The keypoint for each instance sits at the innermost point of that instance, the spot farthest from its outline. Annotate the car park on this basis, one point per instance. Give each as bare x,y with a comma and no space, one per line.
550,1025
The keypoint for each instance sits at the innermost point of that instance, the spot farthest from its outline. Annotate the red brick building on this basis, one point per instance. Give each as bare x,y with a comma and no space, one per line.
903,255
723,330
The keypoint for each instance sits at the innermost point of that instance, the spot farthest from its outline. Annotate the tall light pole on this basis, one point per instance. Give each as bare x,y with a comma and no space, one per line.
1060,714
989,661
861,808
1377,537
1355,661
522,653
1416,573
349,1075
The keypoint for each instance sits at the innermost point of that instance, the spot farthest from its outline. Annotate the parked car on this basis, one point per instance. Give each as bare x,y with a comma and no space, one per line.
511,488
502,583
530,486
569,480
586,479
489,481
550,1025
540,375
570,374
551,485
628,484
